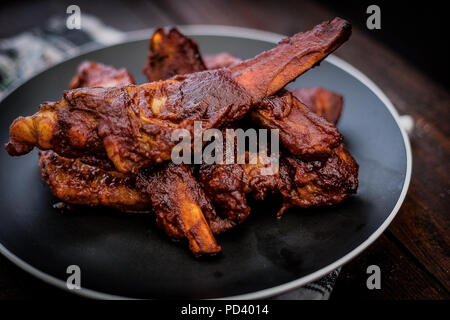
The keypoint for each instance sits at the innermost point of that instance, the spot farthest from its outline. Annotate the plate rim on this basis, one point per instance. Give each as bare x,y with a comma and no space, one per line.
253,34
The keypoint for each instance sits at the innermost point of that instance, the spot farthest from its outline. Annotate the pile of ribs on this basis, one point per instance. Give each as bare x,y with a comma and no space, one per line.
107,142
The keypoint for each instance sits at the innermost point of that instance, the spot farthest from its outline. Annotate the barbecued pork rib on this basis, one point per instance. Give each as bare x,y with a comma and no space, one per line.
301,131
133,124
325,103
182,208
317,183
91,180
301,183
284,63
220,60
75,182
228,185
171,54
180,205
93,74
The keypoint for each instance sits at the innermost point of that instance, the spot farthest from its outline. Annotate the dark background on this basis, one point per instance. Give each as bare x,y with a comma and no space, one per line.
407,59
417,30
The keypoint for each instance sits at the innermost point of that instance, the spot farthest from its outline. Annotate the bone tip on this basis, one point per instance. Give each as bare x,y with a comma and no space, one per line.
17,149
346,26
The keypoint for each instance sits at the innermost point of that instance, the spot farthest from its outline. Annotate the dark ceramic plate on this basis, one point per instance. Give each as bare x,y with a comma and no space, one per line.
128,256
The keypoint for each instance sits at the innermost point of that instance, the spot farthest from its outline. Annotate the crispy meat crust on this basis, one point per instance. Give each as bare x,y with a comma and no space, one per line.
318,183
92,179
178,201
225,186
221,60
182,208
228,185
93,74
134,123
78,183
301,183
325,103
291,58
302,132
129,127
171,54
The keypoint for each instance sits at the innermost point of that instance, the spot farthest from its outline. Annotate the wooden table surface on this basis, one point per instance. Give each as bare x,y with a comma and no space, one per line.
413,253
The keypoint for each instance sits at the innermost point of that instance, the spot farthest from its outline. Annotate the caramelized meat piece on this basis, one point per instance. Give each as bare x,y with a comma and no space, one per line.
325,103
225,186
301,183
93,74
91,180
171,54
178,201
292,57
318,183
221,60
228,185
74,182
302,132
133,124
182,208
259,183
185,58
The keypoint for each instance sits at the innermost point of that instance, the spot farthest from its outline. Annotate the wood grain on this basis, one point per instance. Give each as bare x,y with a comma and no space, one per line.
401,278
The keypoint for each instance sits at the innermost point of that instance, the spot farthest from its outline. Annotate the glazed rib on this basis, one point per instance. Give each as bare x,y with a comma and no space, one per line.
301,183
75,182
325,103
94,74
317,183
221,60
178,201
133,124
301,131
292,57
228,185
171,54
182,208
91,180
